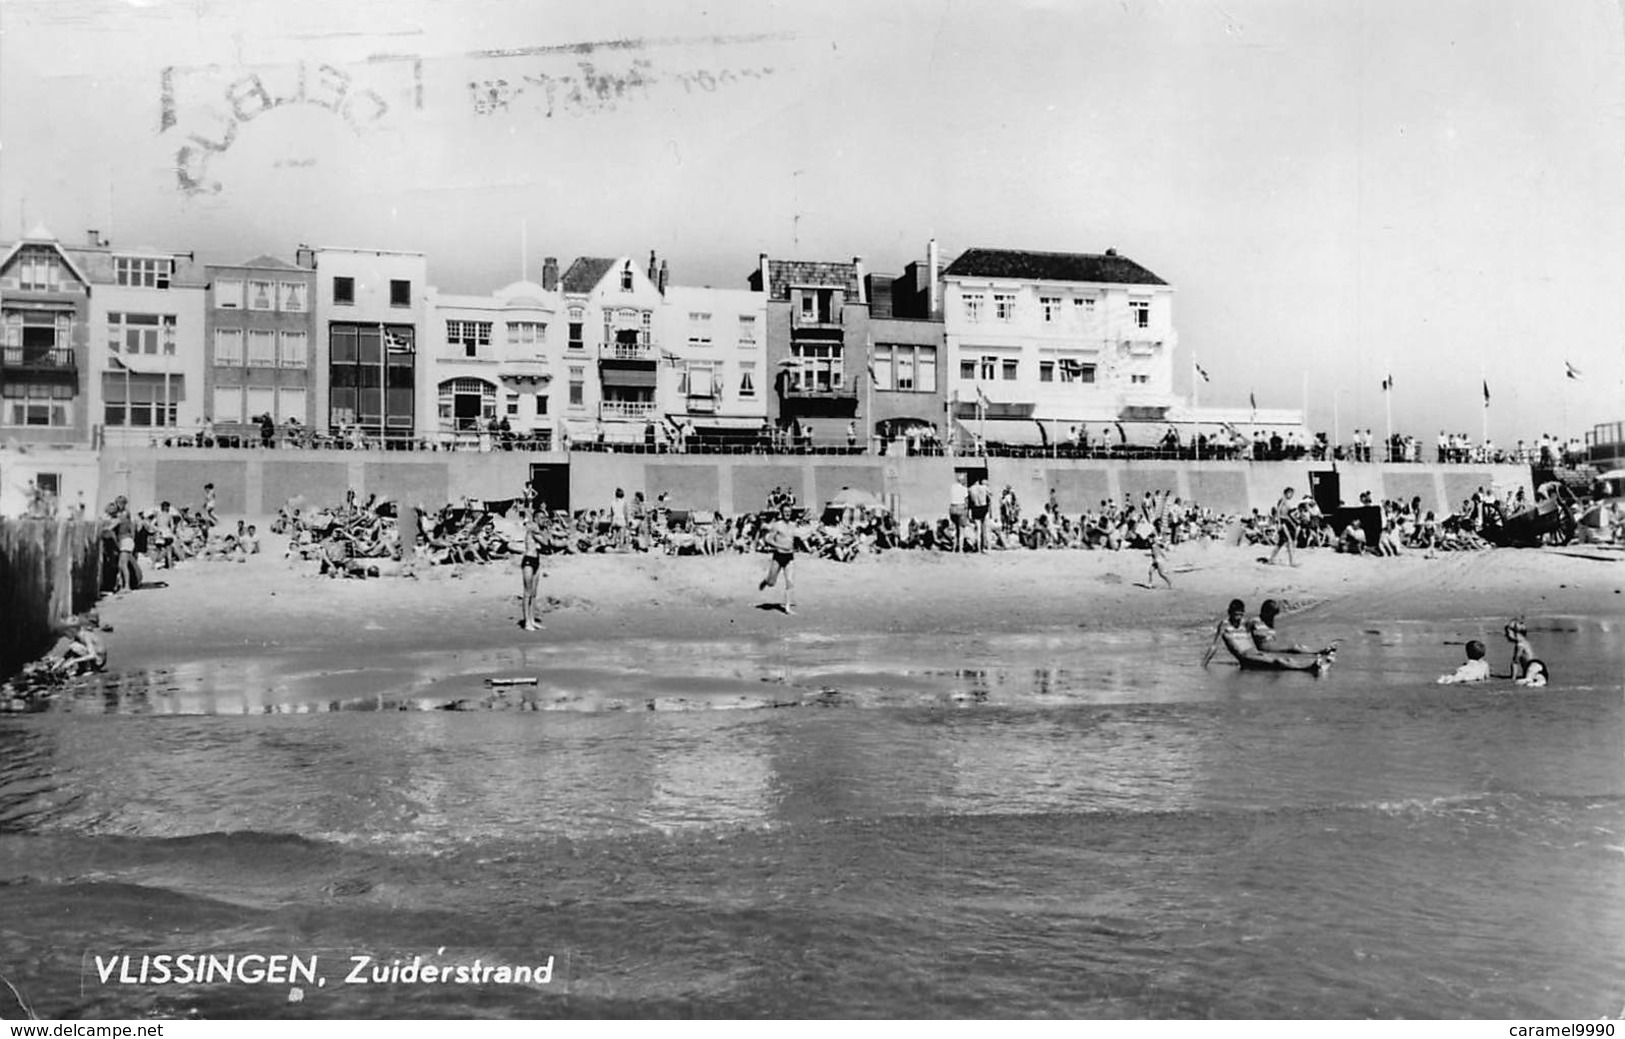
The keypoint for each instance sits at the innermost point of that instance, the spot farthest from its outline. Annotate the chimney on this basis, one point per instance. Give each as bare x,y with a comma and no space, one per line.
95,237
305,257
761,266
653,270
1111,252
550,273
931,262
665,272
857,269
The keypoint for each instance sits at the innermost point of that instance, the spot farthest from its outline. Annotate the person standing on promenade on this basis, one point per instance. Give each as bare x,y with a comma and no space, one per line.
980,497
958,497
1286,526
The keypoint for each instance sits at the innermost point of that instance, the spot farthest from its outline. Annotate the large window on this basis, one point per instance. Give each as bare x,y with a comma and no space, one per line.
820,367
38,270
142,400
291,297
344,291
532,334
472,336
143,272
261,348
262,295
36,404
291,350
228,346
371,376
228,293
467,405
400,292
907,368
141,333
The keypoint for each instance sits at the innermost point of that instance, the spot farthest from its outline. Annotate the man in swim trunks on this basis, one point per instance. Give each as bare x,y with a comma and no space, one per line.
1232,631
1262,630
530,566
780,538
1286,525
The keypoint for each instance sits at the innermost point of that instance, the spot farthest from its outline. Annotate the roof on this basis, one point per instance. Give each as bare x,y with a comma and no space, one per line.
17,247
1025,265
269,263
784,273
585,273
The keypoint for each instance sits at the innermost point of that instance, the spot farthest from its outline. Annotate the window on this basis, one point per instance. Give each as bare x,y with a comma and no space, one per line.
1084,305
139,399
291,297
38,271
647,329
1140,310
290,403
925,369
467,405
1077,371
747,330
36,404
809,306
820,367
1004,306
973,306
1140,380
699,380
228,293
576,324
967,371
400,293
989,369
228,346
291,350
261,295
143,272
141,333
512,409
261,400
626,277
344,291
1046,371
1008,370
905,368
699,329
882,366
1052,308
527,333
228,404
261,348
371,377
578,387
472,336
747,379
541,405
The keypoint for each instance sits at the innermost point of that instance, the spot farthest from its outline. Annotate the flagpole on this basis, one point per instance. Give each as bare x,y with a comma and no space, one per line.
1337,420
1196,408
1388,407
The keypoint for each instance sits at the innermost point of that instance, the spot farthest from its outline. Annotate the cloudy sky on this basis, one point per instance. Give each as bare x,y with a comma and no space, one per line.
1338,190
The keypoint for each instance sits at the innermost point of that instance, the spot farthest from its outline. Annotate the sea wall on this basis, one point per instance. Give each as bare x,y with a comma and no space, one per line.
256,482
47,570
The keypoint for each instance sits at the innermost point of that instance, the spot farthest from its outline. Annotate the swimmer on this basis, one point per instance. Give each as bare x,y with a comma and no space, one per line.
1534,676
1476,669
781,542
1522,652
1232,631
1262,630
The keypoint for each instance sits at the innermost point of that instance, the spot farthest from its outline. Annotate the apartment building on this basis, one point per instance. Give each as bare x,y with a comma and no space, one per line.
714,351
611,356
261,332
817,340
370,306
495,359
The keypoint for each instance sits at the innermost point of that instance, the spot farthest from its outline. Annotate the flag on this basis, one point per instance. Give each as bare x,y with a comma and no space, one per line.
981,398
1253,398
1486,393
1202,372
1573,372
397,343
1387,383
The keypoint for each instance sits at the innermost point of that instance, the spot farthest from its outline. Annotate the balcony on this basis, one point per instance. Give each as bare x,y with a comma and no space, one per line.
626,410
526,369
700,404
801,389
38,358
628,352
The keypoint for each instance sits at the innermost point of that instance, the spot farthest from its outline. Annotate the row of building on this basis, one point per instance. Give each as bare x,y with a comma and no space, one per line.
109,345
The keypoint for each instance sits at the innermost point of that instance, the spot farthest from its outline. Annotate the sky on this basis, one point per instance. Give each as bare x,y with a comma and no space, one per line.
1339,191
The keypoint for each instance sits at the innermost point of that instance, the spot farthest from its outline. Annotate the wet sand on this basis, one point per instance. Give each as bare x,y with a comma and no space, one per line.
270,607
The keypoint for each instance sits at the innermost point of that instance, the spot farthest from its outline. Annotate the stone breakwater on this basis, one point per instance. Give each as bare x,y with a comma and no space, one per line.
48,569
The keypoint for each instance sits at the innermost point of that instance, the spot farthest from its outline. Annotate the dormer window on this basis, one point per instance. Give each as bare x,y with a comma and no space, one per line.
626,278
143,272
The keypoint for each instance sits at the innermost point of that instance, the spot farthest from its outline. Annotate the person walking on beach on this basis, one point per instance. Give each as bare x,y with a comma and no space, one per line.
530,566
780,538
1286,526
1159,552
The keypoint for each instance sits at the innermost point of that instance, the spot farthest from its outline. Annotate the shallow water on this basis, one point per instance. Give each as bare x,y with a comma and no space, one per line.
1066,823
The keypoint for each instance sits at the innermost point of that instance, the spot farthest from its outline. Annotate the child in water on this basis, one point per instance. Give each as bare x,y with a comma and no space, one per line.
1522,653
1477,669
1534,676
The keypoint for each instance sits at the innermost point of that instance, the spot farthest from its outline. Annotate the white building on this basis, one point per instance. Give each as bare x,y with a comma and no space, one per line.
369,320
714,349
611,355
1058,339
494,359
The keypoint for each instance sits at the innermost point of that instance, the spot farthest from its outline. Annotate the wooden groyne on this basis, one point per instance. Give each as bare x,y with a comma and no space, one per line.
48,569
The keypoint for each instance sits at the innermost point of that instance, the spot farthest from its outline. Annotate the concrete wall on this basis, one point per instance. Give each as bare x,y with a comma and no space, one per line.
256,482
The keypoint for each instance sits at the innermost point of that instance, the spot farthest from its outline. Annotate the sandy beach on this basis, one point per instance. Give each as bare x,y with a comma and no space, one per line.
270,607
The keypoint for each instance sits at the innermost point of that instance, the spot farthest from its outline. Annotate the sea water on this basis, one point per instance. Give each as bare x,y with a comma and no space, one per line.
1059,823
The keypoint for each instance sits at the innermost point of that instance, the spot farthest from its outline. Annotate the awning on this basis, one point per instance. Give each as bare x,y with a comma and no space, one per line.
635,378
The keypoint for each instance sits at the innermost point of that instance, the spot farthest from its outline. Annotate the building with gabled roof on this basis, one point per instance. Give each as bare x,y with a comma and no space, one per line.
611,355
817,348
